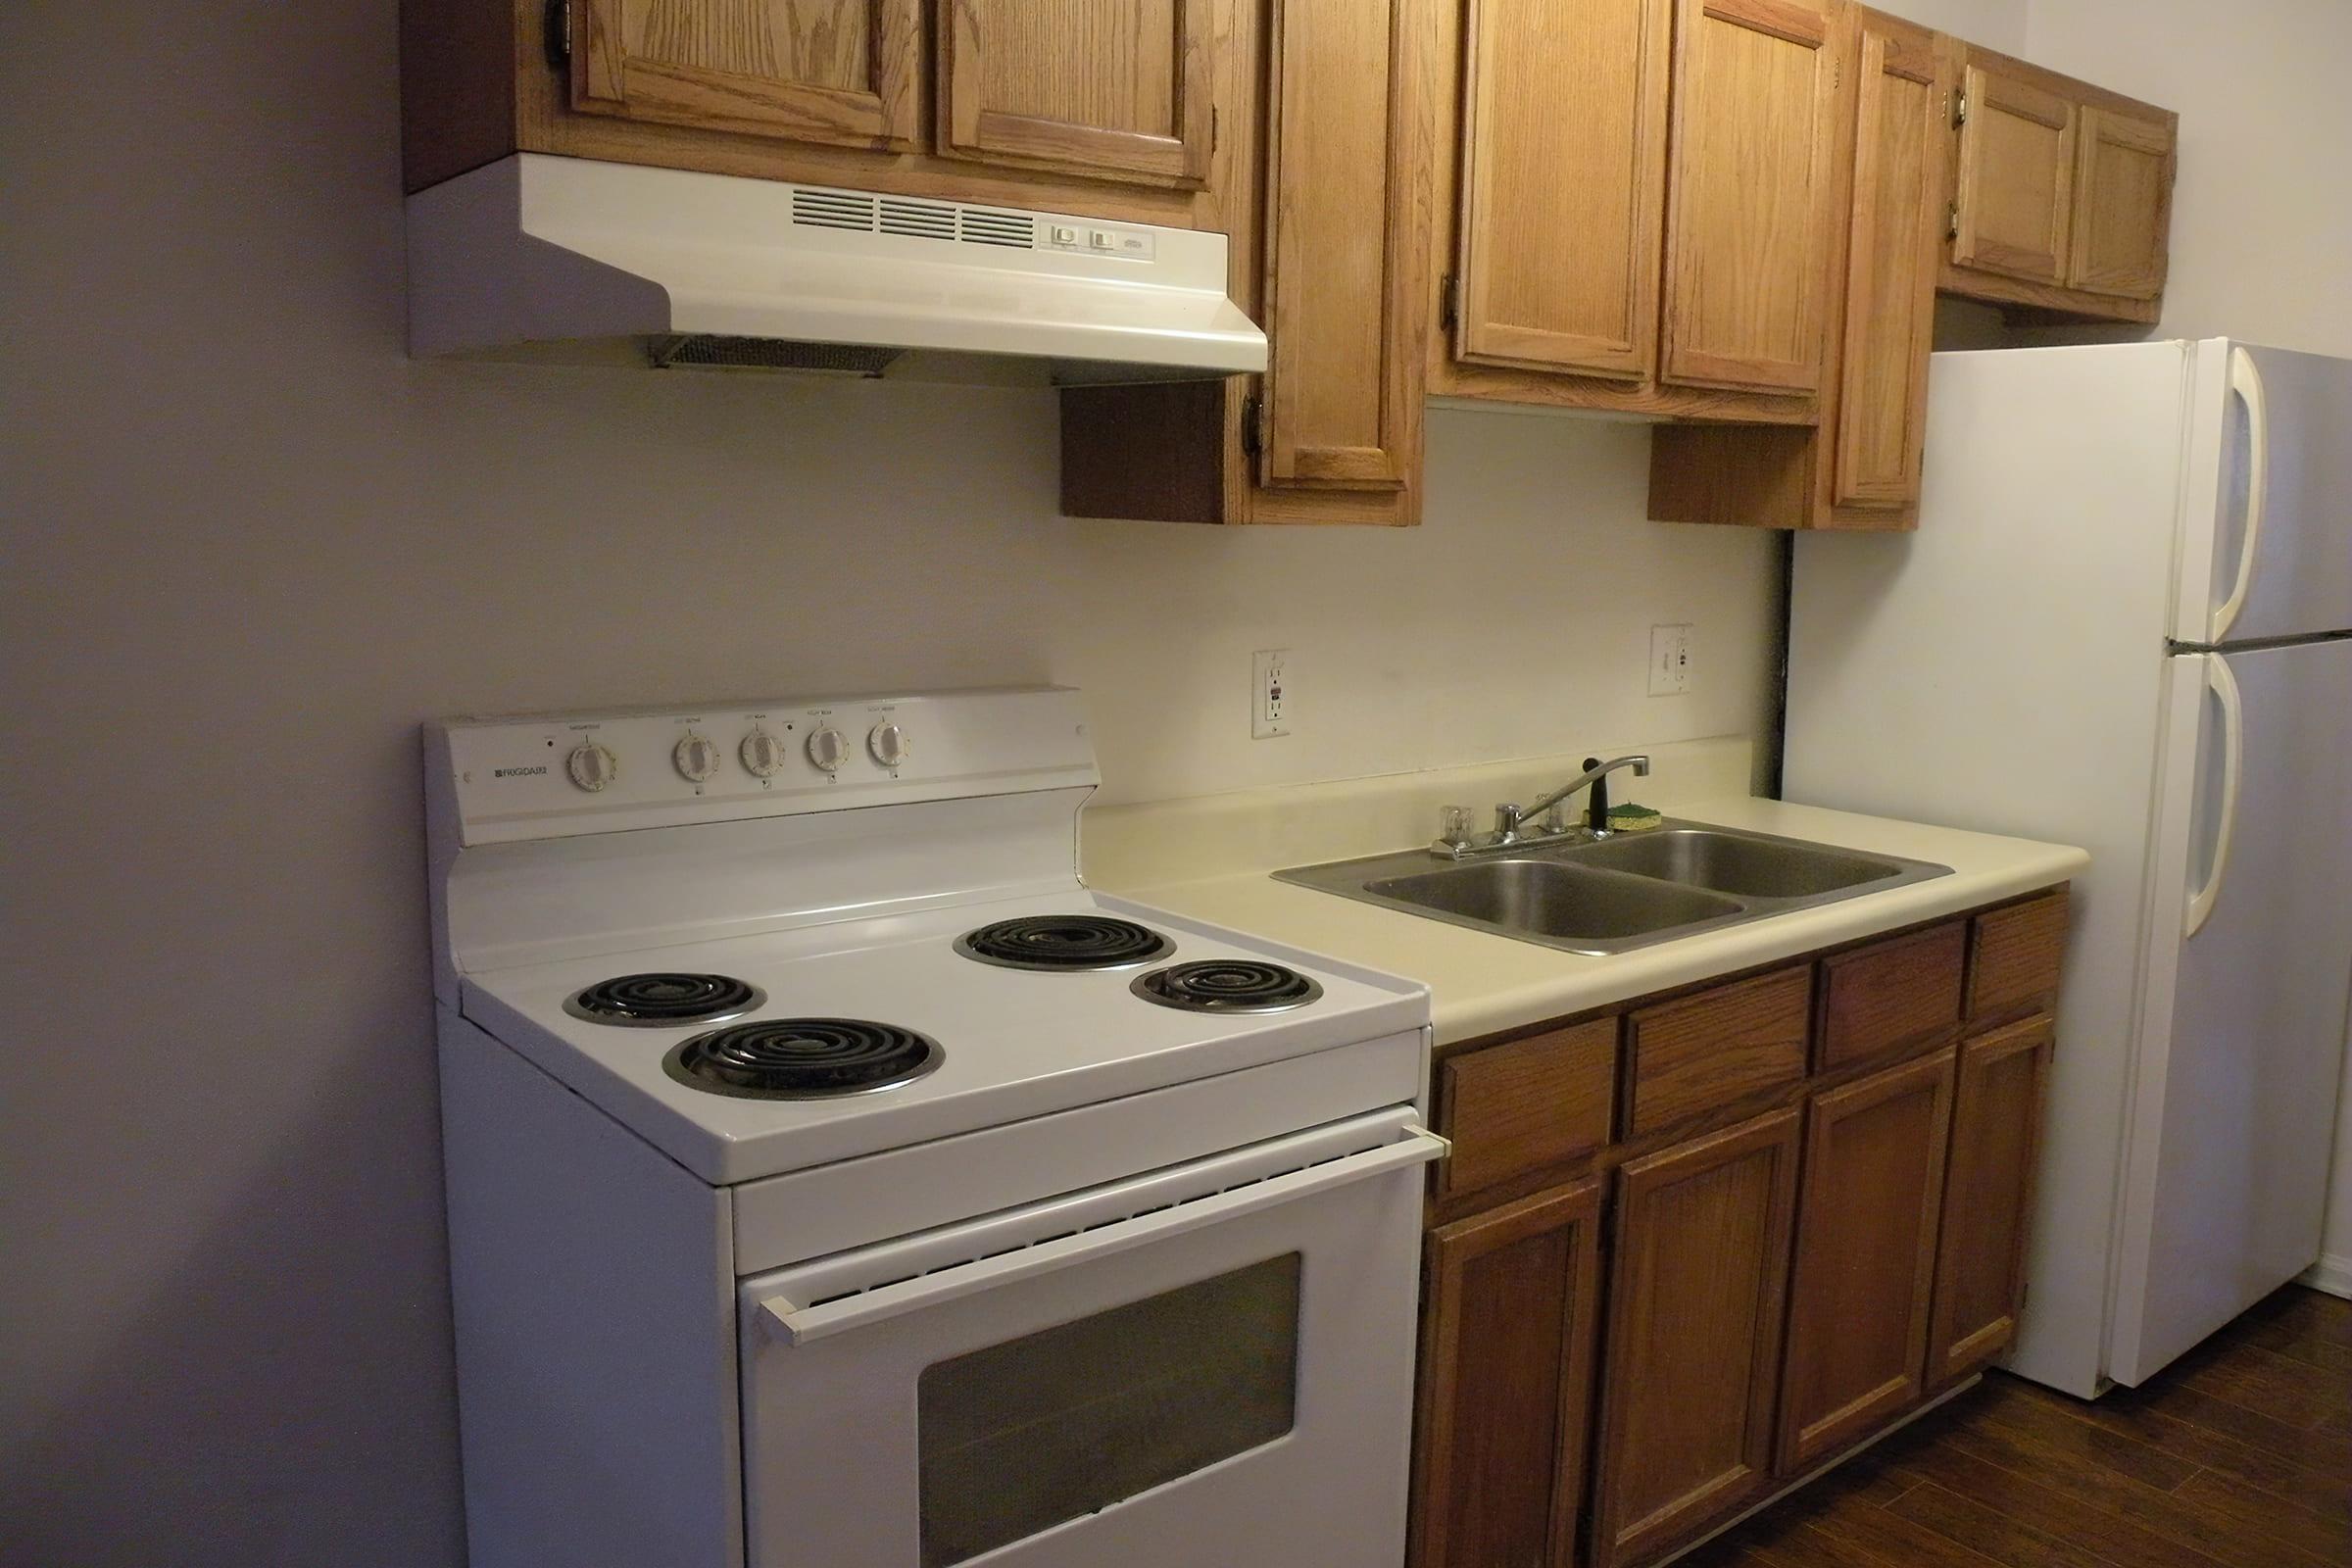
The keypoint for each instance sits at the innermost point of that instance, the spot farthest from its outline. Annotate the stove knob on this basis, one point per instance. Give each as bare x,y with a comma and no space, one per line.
592,766
888,742
695,757
826,749
763,753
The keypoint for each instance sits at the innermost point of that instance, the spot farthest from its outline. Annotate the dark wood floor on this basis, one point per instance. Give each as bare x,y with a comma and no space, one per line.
2238,1456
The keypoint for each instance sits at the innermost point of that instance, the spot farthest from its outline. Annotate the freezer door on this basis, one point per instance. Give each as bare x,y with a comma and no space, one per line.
2266,530
2242,1027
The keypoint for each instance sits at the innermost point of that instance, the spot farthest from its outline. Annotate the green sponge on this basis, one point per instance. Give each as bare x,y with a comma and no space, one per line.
1632,819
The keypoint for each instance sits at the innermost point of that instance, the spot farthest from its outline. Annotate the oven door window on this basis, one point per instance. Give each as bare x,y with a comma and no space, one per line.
1019,1437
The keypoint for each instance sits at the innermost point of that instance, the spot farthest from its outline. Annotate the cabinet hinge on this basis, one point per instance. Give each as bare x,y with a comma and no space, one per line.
1959,109
1449,301
558,32
1951,221
1253,426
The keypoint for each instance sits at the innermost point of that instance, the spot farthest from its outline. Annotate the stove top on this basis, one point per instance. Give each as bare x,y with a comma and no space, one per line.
803,1058
1228,985
656,1001
1064,942
1009,1042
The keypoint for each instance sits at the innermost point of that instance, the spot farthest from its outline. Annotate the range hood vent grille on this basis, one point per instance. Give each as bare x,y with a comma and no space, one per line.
912,219
710,351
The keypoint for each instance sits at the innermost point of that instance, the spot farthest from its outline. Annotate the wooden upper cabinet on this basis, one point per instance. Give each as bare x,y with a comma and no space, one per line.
1694,1339
2123,203
1109,91
1865,1256
1561,190
1343,391
2017,176
842,72
1753,185
1506,1384
1889,320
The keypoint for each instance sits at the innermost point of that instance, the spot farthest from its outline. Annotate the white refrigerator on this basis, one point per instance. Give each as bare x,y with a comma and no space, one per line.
2125,622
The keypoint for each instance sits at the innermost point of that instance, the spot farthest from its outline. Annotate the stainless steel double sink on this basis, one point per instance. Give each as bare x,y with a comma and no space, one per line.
1627,891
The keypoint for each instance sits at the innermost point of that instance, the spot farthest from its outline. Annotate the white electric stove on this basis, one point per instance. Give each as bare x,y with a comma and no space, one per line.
836,1182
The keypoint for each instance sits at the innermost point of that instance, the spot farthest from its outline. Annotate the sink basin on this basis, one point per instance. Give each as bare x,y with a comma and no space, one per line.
1546,899
1735,863
1611,894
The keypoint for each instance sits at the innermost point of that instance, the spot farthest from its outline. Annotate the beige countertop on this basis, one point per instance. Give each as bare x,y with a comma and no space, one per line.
1482,984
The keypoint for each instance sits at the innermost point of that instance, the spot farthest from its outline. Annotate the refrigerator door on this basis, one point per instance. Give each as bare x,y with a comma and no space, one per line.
2266,521
2243,1023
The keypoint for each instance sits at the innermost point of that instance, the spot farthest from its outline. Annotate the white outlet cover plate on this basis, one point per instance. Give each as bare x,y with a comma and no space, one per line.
1271,700
1669,660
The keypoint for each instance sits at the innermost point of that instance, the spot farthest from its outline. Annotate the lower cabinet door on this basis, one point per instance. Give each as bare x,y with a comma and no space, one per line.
1506,1383
1692,1360
1988,1199
1873,1192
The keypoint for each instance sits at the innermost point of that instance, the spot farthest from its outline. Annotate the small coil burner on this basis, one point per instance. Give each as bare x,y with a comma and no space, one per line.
1064,942
1227,985
803,1058
651,1001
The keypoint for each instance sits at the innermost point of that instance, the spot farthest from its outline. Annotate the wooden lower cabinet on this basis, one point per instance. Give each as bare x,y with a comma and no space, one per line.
1701,1259
1987,1197
1865,1256
1506,1379
1715,1294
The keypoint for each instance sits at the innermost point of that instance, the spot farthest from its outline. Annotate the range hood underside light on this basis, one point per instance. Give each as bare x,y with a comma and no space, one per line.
540,257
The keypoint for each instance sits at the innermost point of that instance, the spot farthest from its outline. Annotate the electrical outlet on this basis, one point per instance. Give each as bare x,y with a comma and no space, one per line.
1270,698
1668,661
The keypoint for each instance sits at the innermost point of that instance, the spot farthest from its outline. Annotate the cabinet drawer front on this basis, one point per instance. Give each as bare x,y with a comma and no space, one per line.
1716,1049
1695,1300
1520,1107
1873,1189
1900,993
2014,960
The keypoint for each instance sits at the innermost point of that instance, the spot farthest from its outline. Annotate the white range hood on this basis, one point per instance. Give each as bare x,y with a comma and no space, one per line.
536,254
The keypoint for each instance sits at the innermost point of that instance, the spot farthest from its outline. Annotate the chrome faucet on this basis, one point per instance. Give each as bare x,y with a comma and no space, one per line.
1510,821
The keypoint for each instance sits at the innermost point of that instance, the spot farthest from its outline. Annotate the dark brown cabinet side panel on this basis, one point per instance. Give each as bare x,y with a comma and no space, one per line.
1865,1256
1506,1377
456,88
1693,1362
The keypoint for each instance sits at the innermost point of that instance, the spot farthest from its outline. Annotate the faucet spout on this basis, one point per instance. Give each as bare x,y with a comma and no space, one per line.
1594,775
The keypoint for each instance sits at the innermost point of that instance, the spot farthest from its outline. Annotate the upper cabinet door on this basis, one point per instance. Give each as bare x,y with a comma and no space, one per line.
2123,205
1341,393
1752,191
1890,269
2017,176
1562,191
844,72
1113,91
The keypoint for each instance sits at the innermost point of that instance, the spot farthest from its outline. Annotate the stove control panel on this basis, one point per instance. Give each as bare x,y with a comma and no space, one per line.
546,776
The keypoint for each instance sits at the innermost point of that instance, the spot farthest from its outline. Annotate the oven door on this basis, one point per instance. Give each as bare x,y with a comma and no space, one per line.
1211,1363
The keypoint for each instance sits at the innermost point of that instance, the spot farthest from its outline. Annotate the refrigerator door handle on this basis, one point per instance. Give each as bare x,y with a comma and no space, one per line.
2245,384
2233,766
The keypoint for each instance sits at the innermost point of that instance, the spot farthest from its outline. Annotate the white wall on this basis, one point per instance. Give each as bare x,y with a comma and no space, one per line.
249,546
2262,215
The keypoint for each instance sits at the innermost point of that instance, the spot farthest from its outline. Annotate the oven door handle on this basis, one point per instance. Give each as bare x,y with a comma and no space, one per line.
796,1324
